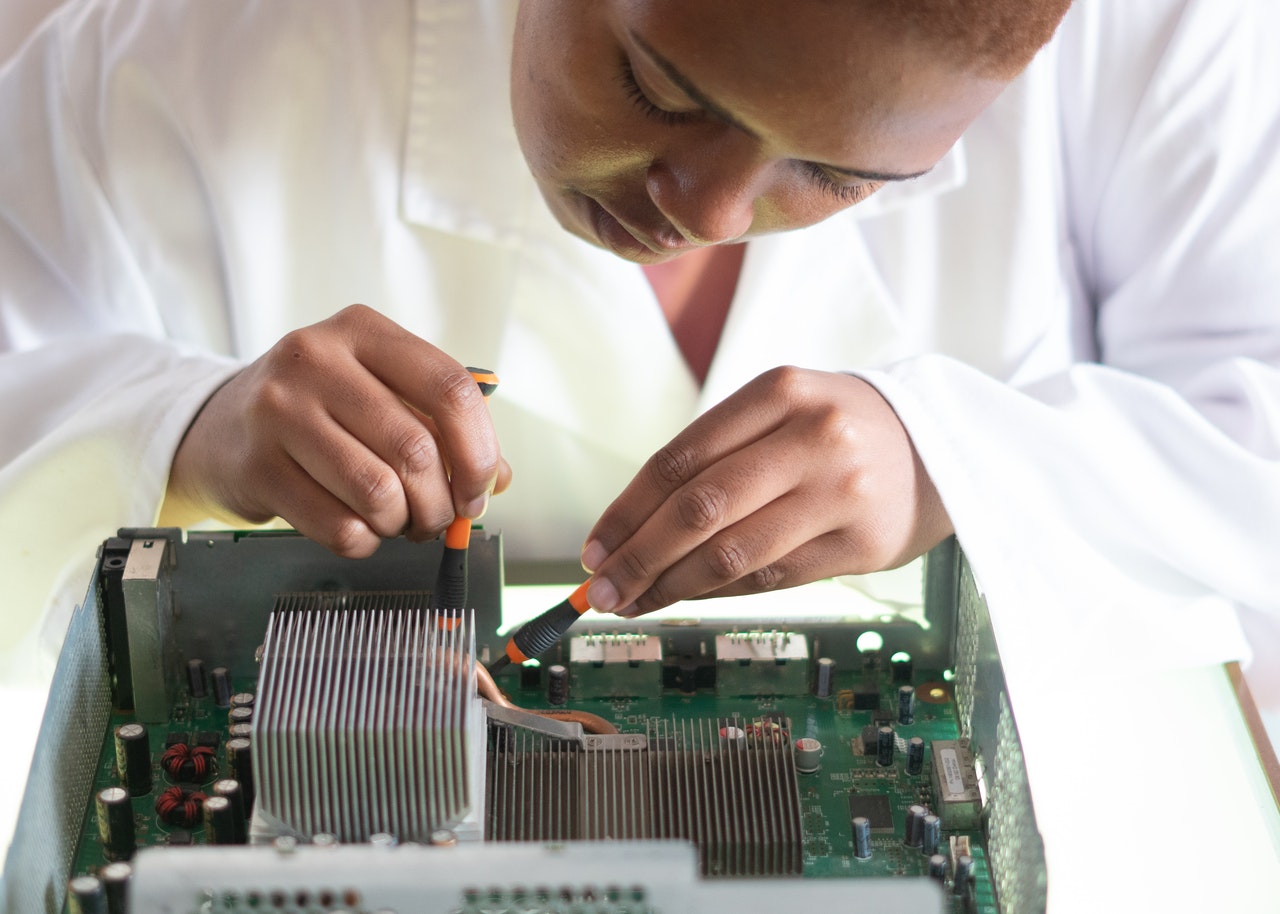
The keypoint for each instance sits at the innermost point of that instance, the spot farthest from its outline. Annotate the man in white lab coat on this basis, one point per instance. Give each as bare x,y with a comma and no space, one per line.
1049,324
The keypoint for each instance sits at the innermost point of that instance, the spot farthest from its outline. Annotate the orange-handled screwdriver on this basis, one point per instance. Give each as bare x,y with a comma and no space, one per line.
450,594
541,632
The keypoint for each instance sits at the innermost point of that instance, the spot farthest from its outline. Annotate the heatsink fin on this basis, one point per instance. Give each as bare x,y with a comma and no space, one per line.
735,798
366,717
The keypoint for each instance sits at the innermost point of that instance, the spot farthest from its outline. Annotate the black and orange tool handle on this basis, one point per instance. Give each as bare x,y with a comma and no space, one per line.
450,594
542,632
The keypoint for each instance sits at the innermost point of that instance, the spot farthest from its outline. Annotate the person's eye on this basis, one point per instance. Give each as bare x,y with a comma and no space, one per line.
845,193
650,108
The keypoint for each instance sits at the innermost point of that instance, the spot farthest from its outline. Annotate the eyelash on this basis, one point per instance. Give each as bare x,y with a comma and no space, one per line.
845,193
628,80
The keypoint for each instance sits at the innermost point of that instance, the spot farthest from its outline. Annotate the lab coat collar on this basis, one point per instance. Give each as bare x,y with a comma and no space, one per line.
464,173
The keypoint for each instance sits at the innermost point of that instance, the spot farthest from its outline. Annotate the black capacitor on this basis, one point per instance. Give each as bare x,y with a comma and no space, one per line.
964,873
861,837
245,730
915,816
115,823
826,677
938,867
242,700
915,755
221,686
906,704
85,895
240,766
230,788
901,665
930,834
557,684
220,826
240,715
884,747
195,678
115,883
133,758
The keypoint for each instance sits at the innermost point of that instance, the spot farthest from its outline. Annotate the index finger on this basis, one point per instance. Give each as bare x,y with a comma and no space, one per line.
626,548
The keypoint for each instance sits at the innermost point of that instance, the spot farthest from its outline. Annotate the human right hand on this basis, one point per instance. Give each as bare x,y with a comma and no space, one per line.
351,430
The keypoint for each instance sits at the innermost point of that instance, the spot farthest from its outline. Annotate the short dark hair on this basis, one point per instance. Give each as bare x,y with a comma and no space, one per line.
994,38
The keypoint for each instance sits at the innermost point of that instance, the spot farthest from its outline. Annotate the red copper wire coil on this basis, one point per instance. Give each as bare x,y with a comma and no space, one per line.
179,807
182,763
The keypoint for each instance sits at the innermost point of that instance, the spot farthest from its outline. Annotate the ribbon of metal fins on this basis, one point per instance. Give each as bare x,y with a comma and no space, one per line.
368,720
728,786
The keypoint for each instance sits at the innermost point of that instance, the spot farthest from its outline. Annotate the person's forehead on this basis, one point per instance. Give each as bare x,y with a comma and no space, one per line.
814,77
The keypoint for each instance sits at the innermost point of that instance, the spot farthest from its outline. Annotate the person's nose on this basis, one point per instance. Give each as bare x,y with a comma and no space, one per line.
707,186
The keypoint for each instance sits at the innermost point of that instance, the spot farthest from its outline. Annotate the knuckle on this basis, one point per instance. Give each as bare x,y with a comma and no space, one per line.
727,561
768,577
672,464
458,392
702,507
633,566
787,381
374,485
654,598
355,314
417,452
350,538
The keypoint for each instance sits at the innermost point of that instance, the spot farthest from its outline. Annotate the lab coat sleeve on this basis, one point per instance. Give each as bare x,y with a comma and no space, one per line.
98,383
1133,503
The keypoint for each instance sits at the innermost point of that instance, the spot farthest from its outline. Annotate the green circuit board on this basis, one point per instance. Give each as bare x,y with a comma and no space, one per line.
848,779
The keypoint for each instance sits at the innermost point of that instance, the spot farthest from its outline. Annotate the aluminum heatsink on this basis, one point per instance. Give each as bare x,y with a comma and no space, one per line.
367,718
729,787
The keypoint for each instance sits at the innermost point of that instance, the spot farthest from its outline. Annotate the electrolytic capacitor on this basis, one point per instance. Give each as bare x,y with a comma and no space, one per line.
242,700
241,715
557,684
195,678
938,867
826,677
133,758
808,755
915,755
219,821
900,663
861,837
240,766
221,686
915,818
242,730
230,789
115,884
906,704
86,896
930,834
884,747
115,823
964,873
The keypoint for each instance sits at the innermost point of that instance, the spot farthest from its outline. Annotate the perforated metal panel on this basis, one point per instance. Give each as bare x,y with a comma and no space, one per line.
62,769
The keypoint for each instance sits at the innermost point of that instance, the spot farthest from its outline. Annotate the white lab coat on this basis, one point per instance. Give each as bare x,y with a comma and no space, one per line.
1075,314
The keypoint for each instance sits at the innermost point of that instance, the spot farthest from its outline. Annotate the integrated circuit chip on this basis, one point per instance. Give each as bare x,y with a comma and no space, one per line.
875,808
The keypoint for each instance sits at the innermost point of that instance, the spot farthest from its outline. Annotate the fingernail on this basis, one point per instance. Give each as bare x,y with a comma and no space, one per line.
593,554
477,506
602,595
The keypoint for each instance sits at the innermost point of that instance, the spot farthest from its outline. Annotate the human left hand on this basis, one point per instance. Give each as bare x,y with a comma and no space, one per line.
798,476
